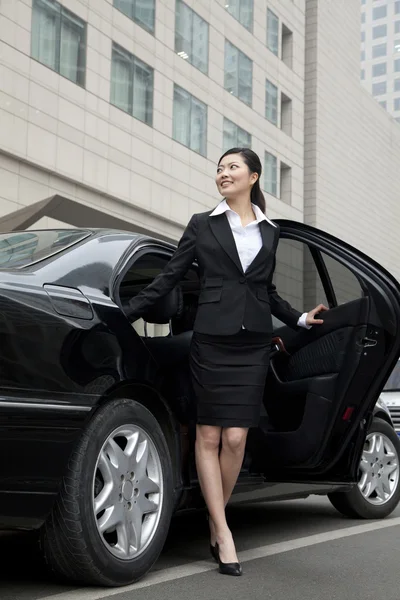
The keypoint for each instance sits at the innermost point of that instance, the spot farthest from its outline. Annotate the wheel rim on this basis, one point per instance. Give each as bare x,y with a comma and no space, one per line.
379,469
127,491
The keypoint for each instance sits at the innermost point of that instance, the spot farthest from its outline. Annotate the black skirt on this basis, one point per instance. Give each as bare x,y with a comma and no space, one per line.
228,375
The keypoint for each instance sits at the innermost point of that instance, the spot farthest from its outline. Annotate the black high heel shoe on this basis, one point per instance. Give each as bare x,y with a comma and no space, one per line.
234,569
214,552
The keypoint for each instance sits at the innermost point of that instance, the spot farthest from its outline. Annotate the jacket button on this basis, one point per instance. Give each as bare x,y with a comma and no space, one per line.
242,280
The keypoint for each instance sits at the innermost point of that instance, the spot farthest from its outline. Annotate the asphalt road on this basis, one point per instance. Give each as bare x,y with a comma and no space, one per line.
289,550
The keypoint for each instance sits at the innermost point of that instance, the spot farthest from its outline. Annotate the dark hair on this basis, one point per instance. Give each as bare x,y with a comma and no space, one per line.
254,165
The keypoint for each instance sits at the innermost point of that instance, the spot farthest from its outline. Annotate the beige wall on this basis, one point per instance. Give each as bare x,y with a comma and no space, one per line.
352,147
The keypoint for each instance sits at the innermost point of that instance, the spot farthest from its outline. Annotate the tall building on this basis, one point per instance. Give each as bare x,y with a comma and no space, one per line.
380,52
115,112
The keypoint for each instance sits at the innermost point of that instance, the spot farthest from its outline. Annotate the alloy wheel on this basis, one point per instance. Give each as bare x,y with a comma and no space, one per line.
127,491
379,469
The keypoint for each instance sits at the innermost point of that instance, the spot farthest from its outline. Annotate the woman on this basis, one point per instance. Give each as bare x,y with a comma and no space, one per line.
235,247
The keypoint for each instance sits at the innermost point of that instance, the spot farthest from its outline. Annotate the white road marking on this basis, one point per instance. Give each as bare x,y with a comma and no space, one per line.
195,568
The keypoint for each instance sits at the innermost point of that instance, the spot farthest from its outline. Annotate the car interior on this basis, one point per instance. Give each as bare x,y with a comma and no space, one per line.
310,370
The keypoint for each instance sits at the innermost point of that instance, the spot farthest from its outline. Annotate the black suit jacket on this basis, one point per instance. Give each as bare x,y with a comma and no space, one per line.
229,298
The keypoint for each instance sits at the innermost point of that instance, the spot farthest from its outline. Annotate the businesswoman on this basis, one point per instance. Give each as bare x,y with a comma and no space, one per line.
235,247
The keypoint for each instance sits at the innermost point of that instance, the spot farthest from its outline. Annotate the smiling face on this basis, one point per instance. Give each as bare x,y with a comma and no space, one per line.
233,177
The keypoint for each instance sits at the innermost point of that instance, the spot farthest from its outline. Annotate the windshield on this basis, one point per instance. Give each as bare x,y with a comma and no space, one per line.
23,248
393,383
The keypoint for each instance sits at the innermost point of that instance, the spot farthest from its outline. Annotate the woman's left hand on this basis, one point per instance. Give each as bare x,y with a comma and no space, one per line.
310,320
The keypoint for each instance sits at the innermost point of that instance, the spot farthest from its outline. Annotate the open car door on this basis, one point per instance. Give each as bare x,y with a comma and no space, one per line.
323,383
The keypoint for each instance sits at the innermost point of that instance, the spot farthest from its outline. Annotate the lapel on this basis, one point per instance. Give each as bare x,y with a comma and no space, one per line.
267,236
223,233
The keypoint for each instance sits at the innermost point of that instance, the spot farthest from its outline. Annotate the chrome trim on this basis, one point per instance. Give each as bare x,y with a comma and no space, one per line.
9,404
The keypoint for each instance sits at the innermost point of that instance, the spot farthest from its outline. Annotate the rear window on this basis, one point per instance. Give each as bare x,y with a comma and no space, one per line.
23,248
393,383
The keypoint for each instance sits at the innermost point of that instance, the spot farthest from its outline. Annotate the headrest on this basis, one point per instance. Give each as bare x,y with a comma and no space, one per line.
166,308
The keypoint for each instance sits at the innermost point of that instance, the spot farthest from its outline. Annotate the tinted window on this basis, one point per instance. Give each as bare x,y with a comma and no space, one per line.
23,248
393,383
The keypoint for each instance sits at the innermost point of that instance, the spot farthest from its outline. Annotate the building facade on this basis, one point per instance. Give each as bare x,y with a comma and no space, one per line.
115,112
380,52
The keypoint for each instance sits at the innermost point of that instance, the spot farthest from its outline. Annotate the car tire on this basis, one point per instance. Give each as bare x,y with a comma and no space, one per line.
358,503
75,540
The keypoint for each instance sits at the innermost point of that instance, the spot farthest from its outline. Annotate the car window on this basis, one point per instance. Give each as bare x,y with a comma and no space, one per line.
393,383
23,248
141,273
298,280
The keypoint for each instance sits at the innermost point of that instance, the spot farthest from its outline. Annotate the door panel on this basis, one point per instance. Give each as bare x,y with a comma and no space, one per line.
322,387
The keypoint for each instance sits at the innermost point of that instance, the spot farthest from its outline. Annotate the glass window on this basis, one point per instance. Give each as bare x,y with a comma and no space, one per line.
270,174
396,104
362,55
396,65
131,85
20,249
234,136
189,121
191,36
393,383
379,69
379,50
397,27
59,40
362,74
397,46
363,36
242,10
363,17
396,85
378,89
238,73
397,7
383,104
272,32
141,11
379,31
379,12
271,102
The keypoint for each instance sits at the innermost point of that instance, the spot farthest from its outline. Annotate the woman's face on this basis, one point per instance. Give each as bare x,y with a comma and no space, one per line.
233,176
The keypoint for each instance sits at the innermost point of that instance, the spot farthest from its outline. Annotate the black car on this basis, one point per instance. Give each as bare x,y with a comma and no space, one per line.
97,415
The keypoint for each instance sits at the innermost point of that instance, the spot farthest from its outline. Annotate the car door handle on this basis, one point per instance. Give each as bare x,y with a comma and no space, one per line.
369,342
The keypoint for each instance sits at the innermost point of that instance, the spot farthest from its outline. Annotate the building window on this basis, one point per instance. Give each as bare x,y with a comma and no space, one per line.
397,46
131,85
234,136
272,32
379,69
379,31
363,17
271,102
362,55
238,73
397,7
189,121
286,114
140,11
362,36
383,104
379,12
396,104
287,46
270,174
362,74
396,85
396,65
378,89
379,50
191,37
59,40
285,183
397,27
242,10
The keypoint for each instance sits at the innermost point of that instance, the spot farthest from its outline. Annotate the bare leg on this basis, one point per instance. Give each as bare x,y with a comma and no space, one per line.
209,473
230,460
